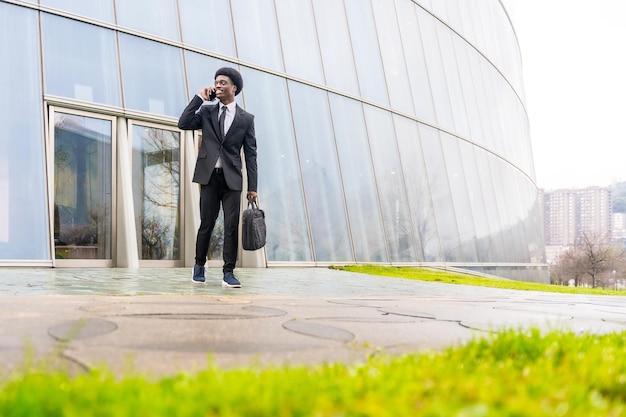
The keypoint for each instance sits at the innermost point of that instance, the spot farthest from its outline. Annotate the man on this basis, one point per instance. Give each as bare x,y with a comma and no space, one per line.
226,128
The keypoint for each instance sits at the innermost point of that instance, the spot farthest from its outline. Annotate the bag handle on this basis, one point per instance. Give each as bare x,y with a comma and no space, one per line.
252,204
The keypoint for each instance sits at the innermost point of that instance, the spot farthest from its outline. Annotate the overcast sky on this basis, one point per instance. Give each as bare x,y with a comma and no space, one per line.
574,60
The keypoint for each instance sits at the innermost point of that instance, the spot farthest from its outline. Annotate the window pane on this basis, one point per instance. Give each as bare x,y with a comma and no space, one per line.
280,184
153,76
299,40
82,187
358,178
458,189
24,227
334,38
440,193
436,72
257,33
391,189
477,199
418,190
414,53
393,56
366,51
95,9
156,191
463,52
80,61
156,17
498,172
452,69
491,206
320,172
208,25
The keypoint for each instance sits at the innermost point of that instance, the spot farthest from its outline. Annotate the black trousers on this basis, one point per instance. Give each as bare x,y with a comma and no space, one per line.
211,195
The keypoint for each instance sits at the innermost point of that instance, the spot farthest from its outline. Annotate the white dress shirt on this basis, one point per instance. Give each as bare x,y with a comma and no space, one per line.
228,121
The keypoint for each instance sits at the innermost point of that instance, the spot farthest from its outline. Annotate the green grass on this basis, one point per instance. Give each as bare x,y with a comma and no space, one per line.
455,278
513,373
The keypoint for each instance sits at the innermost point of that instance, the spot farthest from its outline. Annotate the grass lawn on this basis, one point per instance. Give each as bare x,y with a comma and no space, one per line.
508,374
454,278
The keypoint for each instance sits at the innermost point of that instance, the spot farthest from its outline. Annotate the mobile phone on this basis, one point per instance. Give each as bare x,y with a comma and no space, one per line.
212,96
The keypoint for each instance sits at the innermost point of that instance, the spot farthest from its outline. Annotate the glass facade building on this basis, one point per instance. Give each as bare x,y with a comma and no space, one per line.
389,131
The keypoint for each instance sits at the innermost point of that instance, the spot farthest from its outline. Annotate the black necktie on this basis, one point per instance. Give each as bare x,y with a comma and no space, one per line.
222,118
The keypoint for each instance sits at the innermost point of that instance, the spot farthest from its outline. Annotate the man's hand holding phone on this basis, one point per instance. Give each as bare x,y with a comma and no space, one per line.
208,93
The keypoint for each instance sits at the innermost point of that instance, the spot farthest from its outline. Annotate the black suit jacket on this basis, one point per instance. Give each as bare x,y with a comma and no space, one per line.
240,135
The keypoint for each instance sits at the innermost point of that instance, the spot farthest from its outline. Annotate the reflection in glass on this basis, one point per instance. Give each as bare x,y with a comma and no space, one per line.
491,206
299,40
441,194
157,17
477,68
208,25
418,190
335,46
391,187
257,33
280,183
320,173
415,62
24,227
498,171
153,76
393,56
436,70
156,191
82,187
366,51
95,9
358,179
80,61
455,90
459,193
480,220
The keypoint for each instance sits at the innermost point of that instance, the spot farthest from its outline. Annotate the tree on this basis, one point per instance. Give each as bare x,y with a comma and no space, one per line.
592,257
597,254
570,265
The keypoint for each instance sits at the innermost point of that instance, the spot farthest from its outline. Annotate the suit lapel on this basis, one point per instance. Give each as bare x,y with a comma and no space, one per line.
236,121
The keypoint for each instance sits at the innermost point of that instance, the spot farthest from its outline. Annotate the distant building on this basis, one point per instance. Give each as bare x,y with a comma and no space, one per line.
596,211
568,213
561,217
619,226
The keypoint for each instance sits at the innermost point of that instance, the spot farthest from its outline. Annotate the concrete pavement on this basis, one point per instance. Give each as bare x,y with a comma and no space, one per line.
156,321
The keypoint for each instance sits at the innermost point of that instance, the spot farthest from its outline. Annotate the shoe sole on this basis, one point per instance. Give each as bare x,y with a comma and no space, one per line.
227,285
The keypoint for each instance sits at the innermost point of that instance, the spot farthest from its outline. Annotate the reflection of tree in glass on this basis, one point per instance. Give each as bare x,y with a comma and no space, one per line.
161,194
154,239
81,184
162,150
217,239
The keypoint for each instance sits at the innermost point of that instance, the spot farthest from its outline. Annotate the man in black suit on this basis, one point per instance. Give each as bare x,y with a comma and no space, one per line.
226,128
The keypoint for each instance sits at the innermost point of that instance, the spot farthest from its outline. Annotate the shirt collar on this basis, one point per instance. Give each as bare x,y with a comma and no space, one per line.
231,107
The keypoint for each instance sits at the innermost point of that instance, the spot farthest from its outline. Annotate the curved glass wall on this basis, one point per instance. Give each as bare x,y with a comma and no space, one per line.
389,131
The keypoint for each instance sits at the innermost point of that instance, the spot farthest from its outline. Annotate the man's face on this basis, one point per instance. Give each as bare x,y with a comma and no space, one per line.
224,88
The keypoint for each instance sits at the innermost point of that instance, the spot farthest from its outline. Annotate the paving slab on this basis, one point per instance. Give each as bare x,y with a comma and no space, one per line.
155,321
